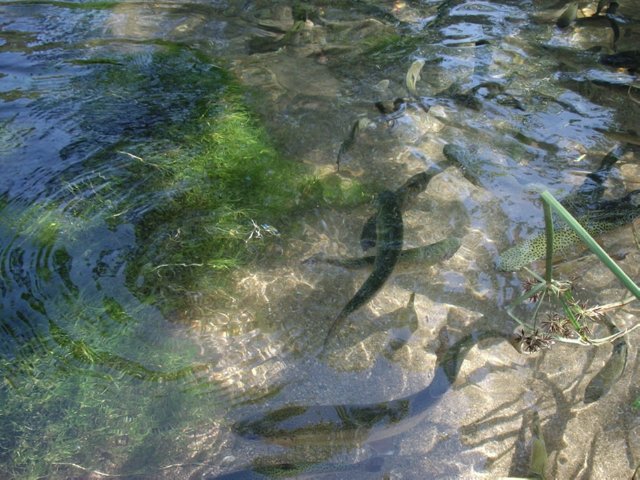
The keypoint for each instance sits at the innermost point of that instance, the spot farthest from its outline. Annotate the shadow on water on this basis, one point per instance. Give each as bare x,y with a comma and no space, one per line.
345,427
151,233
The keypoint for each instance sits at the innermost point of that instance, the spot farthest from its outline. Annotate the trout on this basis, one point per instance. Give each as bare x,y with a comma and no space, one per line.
389,235
406,195
425,256
608,216
358,424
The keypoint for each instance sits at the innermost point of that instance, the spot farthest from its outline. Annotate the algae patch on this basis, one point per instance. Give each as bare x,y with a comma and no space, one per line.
228,179
155,200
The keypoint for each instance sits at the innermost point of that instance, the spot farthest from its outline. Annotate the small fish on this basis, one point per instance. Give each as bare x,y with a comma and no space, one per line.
629,137
480,170
413,75
629,59
389,233
425,256
468,164
568,16
612,370
406,195
358,126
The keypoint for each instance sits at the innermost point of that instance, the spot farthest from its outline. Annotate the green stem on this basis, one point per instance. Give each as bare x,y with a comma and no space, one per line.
549,200
534,275
535,312
528,294
548,230
566,301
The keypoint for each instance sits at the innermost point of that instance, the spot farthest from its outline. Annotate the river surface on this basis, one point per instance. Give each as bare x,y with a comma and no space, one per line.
131,345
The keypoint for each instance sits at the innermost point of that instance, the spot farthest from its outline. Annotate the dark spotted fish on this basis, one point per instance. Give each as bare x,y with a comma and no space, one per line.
480,170
346,146
389,237
607,216
596,216
406,195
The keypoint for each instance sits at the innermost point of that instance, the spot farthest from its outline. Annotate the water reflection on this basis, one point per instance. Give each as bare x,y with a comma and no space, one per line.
111,250
103,368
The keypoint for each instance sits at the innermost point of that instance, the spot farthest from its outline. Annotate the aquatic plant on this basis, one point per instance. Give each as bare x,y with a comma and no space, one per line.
92,375
571,326
80,391
220,192
232,185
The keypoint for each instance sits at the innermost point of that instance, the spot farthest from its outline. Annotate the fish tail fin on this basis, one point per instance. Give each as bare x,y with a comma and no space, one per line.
331,333
412,300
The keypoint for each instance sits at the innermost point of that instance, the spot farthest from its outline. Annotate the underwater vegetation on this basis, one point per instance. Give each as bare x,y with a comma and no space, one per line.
233,196
116,275
187,187
64,399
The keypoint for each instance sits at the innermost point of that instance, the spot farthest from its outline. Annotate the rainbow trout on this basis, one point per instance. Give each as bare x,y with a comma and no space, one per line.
425,256
608,215
584,203
405,195
389,235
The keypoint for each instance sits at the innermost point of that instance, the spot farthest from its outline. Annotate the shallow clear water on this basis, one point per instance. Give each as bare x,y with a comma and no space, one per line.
129,348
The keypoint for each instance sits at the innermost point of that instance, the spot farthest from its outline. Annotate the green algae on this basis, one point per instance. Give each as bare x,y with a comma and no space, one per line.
87,390
231,178
94,378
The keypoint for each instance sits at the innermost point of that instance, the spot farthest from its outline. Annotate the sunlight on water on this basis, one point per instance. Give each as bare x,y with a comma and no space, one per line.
173,176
